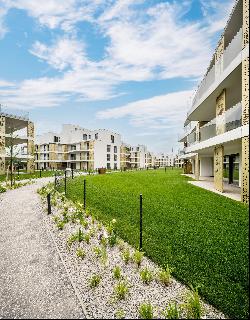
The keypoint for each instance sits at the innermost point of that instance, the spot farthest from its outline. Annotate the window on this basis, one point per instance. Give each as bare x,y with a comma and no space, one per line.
112,139
108,148
108,166
115,157
89,136
108,157
115,149
56,139
115,166
96,136
137,149
73,147
84,137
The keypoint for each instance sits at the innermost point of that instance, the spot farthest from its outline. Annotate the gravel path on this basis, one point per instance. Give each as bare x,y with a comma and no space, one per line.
33,280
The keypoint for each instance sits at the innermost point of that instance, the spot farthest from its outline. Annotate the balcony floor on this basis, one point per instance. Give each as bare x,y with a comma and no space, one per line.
230,191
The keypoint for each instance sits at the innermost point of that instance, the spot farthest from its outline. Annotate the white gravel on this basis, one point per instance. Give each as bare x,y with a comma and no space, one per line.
33,281
100,302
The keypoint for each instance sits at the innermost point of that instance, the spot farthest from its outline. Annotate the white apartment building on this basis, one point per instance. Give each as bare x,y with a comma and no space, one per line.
163,160
216,130
78,148
139,156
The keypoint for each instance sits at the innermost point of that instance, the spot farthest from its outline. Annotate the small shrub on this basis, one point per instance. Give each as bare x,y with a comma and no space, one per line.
193,305
117,272
2,189
60,225
73,238
87,238
120,314
137,257
146,275
97,251
146,311
95,280
112,239
126,255
104,241
164,276
80,253
171,312
120,290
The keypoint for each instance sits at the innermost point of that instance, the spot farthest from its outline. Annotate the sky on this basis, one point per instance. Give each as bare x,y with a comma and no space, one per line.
130,66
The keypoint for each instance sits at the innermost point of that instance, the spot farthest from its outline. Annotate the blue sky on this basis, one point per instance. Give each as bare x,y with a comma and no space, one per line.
126,65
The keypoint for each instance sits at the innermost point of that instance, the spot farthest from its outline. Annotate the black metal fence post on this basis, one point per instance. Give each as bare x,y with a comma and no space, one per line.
40,173
49,204
165,169
55,180
65,182
72,173
84,194
140,222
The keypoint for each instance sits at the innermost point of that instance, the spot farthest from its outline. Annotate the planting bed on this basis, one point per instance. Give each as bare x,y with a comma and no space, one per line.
102,301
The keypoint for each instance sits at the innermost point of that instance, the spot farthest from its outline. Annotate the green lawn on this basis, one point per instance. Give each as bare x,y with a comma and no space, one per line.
35,175
204,236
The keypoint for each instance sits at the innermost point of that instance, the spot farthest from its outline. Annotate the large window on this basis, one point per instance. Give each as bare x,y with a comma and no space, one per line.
112,139
115,157
96,136
108,165
85,136
108,157
73,147
115,149
108,148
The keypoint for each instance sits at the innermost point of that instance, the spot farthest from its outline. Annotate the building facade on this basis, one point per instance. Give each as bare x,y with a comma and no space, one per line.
216,132
78,148
15,131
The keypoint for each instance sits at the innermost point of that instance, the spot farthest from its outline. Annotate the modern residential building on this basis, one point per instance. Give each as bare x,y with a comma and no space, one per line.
138,156
163,160
78,148
125,160
16,133
216,133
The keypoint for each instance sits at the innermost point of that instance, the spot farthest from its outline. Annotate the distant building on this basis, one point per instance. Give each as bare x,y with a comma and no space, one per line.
78,148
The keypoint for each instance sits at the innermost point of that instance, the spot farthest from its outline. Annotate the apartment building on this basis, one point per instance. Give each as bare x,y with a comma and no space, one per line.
125,160
216,130
138,156
78,148
163,160
16,133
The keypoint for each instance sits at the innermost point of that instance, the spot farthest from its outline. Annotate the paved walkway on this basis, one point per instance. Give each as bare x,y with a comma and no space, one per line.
230,191
33,281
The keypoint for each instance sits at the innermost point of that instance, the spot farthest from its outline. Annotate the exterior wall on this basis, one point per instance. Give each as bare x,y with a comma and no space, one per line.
245,170
206,166
197,167
30,147
218,167
2,145
220,113
245,27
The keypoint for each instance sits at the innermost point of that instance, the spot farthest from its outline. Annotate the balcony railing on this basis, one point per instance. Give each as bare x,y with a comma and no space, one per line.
233,49
208,130
230,53
233,117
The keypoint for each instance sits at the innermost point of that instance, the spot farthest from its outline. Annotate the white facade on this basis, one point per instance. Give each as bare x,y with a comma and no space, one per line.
78,148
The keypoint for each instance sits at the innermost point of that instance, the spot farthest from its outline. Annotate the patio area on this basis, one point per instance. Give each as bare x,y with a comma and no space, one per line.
230,191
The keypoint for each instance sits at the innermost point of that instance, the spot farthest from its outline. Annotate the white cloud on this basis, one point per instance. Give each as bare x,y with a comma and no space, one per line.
159,112
145,44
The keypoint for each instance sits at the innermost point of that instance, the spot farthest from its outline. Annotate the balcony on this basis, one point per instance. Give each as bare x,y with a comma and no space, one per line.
232,120
213,75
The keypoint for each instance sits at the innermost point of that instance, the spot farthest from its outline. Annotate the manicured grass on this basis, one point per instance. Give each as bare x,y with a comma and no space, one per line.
204,236
35,175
